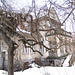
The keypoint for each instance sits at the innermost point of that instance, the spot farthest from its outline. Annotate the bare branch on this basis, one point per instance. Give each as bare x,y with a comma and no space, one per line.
68,15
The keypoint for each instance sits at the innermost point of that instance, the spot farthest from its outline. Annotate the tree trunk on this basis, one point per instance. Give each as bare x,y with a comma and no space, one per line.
11,47
10,61
11,58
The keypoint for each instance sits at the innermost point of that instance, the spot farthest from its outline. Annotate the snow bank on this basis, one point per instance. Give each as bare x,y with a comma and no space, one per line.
66,62
3,72
34,65
48,71
59,71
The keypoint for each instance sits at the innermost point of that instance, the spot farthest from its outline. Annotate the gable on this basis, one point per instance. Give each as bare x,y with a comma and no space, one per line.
54,15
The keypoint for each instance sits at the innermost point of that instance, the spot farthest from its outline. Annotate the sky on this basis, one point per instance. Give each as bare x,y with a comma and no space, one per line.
19,4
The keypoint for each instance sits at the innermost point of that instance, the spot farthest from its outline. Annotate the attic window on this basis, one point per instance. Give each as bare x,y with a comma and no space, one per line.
48,23
53,25
52,15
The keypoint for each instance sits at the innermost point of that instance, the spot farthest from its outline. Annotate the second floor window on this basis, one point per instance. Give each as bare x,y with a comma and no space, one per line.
25,50
31,51
1,45
41,49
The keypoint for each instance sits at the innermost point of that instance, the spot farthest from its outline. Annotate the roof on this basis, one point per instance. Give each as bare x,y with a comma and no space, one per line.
55,22
29,35
49,19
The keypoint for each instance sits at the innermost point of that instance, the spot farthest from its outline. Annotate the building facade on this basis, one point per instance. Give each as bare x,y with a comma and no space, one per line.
52,35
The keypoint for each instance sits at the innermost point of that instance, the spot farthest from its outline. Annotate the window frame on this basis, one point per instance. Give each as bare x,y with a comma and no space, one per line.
31,51
42,49
25,50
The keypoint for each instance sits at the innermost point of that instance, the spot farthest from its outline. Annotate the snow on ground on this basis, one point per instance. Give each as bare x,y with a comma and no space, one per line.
48,71
2,72
45,71
34,65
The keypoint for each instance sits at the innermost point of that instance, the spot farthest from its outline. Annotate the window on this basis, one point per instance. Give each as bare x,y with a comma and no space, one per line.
52,15
27,27
41,49
31,51
1,45
52,32
53,25
48,23
25,50
50,42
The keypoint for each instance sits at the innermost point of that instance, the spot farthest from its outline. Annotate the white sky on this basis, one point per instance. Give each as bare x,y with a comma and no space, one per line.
19,4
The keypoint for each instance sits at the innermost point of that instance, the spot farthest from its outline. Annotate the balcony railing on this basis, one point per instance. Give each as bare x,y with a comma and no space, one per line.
65,33
58,31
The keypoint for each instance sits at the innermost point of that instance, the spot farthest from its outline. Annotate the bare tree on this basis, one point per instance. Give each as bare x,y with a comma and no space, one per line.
9,21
